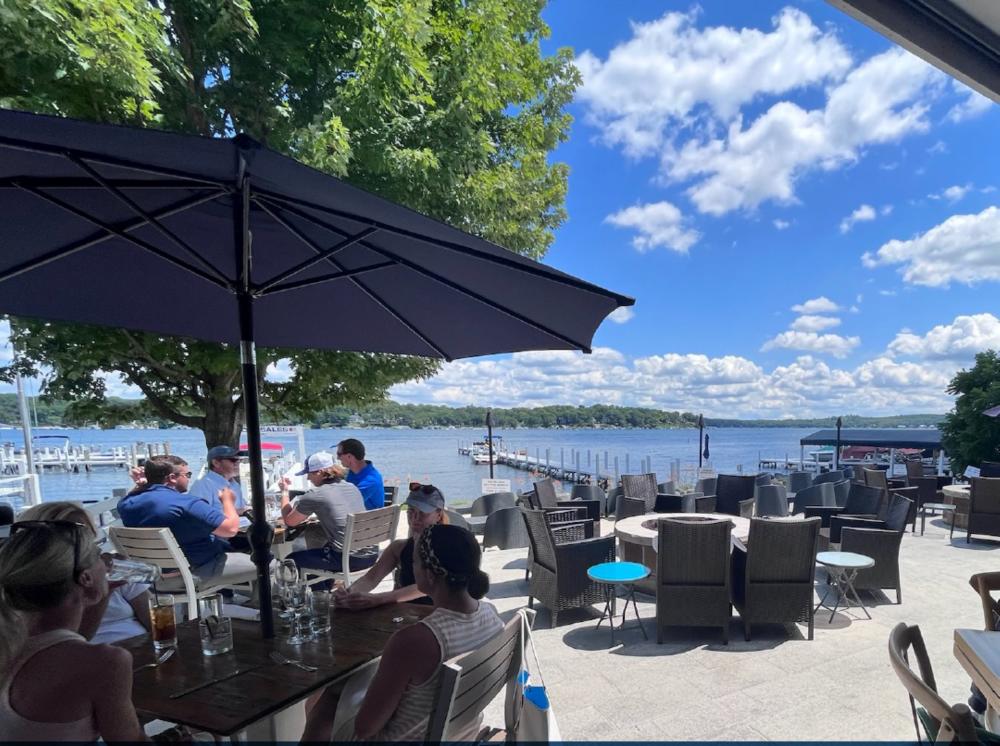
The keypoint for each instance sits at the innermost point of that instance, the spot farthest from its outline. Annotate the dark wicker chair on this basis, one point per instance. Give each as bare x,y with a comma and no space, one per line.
989,469
667,488
746,508
705,504
588,492
640,487
772,500
841,491
390,493
862,501
544,497
457,519
914,470
877,478
505,529
829,476
559,569
611,504
730,491
799,480
489,504
668,502
706,485
984,507
881,544
693,574
773,578
819,494
943,723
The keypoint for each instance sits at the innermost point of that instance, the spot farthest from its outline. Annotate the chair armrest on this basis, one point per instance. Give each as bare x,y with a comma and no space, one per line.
825,513
858,521
592,551
593,507
569,531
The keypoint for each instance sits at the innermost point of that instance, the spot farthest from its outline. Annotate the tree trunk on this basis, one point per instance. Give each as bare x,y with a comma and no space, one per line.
222,423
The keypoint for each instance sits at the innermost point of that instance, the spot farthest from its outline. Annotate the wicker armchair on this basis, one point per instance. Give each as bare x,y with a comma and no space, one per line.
882,546
746,508
862,502
984,507
943,723
705,504
693,575
799,480
772,500
641,487
773,578
730,491
821,494
893,518
545,498
828,476
559,570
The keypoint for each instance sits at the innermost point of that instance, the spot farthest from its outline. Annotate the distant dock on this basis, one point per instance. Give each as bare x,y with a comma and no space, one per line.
75,459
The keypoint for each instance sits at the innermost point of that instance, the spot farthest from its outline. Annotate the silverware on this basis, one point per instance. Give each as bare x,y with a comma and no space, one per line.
282,660
212,682
164,657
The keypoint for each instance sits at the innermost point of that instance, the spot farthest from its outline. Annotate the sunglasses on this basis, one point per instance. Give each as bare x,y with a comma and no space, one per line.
427,489
185,474
65,527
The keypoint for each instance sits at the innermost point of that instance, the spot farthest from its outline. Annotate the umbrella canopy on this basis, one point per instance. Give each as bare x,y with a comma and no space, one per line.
226,241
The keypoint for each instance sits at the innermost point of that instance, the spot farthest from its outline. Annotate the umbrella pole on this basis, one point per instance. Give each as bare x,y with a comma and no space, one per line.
260,531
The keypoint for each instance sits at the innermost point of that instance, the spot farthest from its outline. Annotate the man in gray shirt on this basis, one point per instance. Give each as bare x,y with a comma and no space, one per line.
331,501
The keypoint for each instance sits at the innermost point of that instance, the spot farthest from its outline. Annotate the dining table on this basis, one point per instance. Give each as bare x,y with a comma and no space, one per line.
978,652
226,694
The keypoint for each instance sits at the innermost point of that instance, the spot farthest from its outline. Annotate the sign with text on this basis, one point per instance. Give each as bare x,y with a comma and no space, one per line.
288,429
495,485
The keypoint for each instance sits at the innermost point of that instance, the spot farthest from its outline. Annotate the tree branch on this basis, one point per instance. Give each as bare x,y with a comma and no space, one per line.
163,407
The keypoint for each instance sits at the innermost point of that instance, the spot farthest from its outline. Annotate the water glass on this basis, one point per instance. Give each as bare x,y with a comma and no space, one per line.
286,575
215,628
297,598
322,607
123,570
163,623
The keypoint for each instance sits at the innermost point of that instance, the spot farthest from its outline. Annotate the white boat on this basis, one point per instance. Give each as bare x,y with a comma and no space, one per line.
480,452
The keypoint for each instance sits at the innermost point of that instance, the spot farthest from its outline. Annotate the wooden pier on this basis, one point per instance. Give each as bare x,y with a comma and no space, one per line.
74,459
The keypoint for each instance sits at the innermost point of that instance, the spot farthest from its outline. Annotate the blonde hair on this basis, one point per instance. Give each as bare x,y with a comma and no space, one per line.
60,510
337,472
38,571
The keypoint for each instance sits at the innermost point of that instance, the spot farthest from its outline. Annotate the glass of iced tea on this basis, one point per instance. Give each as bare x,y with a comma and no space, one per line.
161,614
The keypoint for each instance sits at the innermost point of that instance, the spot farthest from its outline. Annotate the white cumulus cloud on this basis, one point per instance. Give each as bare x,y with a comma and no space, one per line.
826,344
622,314
862,214
974,104
781,224
959,340
659,224
821,304
964,248
811,323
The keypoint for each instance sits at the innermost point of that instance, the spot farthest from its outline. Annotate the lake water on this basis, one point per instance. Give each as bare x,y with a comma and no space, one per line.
432,455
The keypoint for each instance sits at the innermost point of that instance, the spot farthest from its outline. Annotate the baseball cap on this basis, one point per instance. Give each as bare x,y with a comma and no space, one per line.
316,462
224,452
426,498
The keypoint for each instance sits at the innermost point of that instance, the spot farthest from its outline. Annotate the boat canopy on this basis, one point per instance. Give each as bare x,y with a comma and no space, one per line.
882,438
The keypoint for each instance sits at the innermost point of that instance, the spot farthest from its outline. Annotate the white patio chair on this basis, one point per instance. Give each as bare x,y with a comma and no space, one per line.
372,527
157,546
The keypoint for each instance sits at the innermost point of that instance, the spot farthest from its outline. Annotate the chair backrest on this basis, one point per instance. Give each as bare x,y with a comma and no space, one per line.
799,480
545,494
611,505
863,500
782,551
841,490
821,494
989,469
828,476
730,491
984,583
705,504
877,478
953,723
505,529
761,479
542,547
746,508
391,492
471,681
6,514
984,495
457,519
914,469
772,500
587,492
693,552
667,487
706,485
927,488
629,507
156,546
366,529
897,513
641,487
487,504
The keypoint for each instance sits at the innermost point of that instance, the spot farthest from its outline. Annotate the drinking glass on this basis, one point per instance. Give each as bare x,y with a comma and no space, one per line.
286,575
295,598
322,606
215,628
164,625
123,570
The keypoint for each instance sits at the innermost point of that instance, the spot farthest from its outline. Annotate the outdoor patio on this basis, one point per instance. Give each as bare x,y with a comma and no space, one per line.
779,686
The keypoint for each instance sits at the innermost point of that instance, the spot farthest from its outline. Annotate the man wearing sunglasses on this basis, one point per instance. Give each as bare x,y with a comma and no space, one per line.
200,528
222,472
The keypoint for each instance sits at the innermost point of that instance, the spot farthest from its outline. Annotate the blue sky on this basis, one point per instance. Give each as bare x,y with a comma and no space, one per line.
807,215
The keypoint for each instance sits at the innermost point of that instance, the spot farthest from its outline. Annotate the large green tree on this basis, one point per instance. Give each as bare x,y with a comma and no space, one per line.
447,106
969,436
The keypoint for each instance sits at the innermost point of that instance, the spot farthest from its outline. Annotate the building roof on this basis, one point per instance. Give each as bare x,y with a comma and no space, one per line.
883,438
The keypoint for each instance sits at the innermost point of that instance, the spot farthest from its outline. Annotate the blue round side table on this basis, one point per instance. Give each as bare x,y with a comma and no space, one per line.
613,574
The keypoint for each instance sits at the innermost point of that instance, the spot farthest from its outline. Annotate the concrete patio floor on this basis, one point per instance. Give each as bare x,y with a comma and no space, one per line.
778,686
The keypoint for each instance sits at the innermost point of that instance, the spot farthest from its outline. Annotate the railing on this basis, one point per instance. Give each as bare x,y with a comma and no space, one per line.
21,490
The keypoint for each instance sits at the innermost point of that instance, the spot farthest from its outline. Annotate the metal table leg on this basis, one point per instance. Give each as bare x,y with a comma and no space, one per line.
635,608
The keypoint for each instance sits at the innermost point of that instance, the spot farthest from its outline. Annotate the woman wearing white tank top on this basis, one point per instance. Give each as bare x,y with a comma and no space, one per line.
55,686
401,695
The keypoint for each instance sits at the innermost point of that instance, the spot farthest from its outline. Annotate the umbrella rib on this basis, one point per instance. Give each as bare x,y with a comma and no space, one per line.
533,269
82,183
93,240
453,285
131,239
177,240
364,288
107,160
325,278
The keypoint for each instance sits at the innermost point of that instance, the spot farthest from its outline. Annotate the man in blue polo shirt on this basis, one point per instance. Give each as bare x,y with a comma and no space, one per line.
361,473
223,467
201,530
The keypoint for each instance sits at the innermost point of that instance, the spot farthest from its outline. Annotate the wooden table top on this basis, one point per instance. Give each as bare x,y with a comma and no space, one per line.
979,653
264,687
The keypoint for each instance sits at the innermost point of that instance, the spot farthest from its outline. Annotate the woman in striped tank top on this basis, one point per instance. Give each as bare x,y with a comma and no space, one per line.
400,698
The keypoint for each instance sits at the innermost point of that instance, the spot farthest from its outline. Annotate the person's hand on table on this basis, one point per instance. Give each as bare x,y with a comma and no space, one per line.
355,601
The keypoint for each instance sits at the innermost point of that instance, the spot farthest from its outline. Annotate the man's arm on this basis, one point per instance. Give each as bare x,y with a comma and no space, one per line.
231,525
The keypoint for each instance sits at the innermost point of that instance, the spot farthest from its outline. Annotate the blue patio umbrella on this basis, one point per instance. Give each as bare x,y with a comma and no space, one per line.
224,240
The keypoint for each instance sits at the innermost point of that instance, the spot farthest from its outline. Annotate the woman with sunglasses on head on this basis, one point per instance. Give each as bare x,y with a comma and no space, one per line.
54,685
425,507
124,612
401,696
